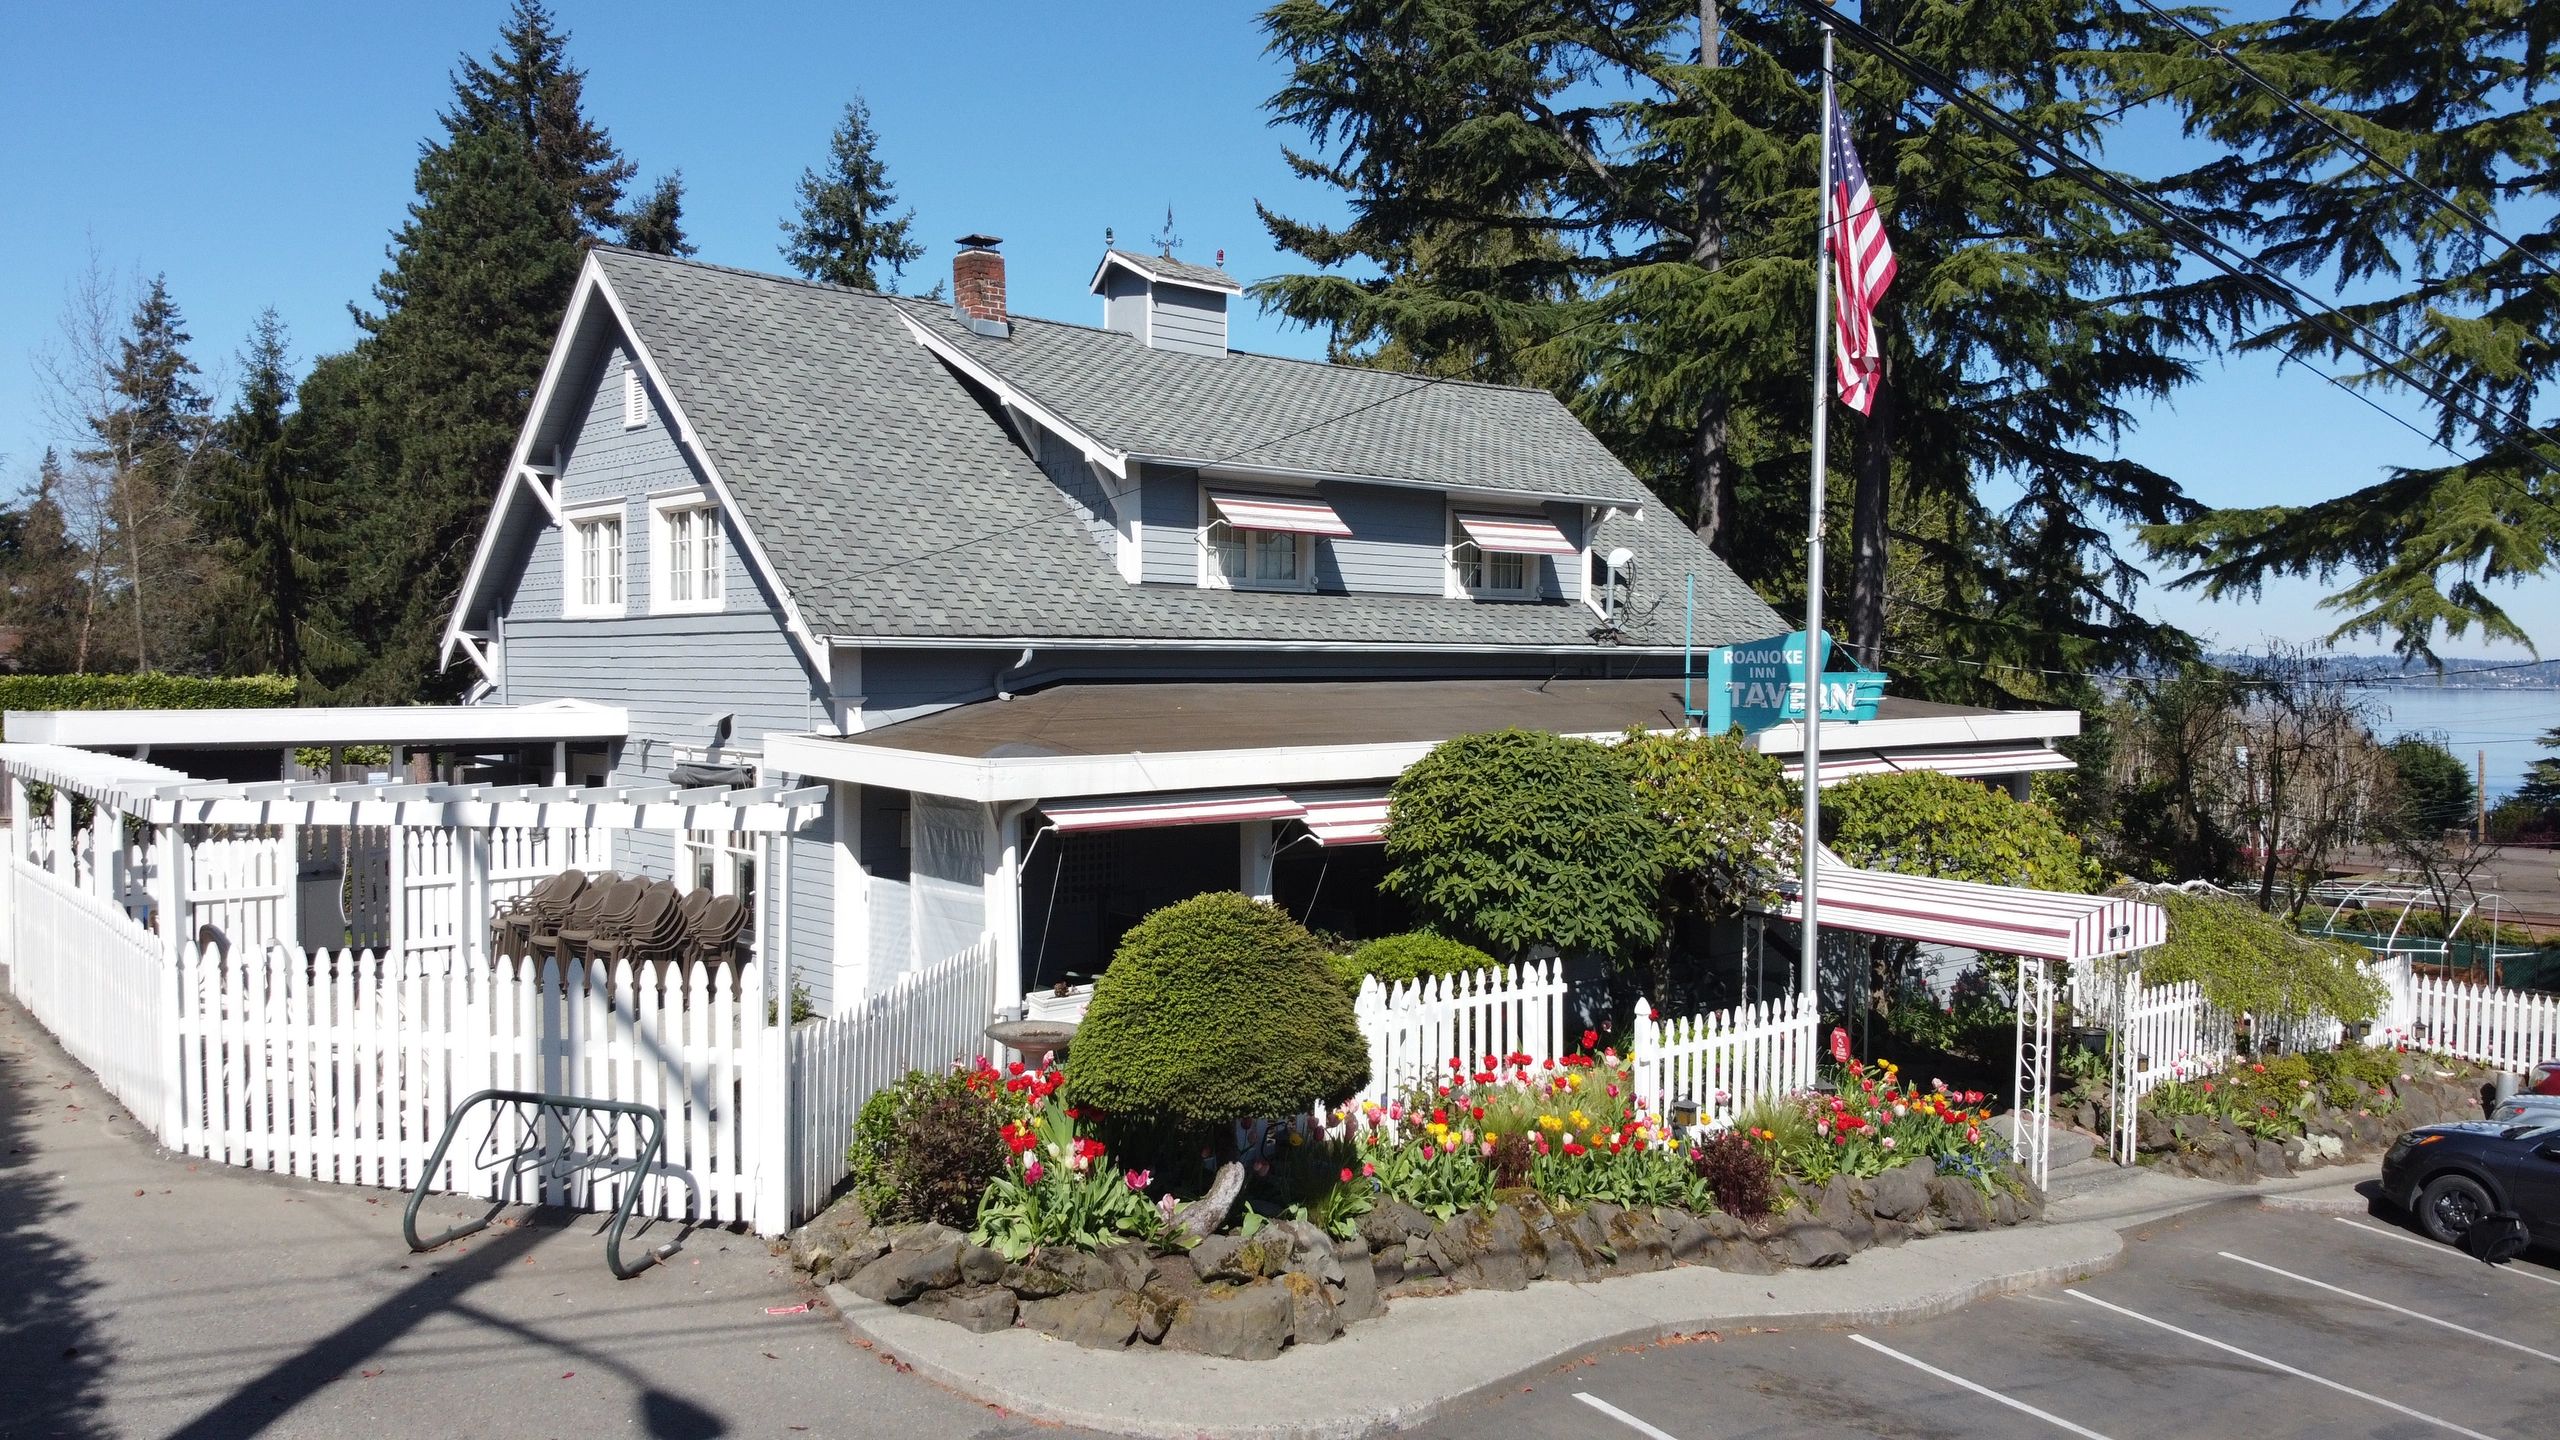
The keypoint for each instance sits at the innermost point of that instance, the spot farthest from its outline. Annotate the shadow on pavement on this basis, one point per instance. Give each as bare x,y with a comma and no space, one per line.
53,1359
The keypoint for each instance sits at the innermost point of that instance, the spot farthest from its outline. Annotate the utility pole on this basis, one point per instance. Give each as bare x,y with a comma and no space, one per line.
2480,793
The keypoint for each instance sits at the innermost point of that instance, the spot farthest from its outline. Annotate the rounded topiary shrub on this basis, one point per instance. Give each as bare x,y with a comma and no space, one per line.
1218,1009
1414,955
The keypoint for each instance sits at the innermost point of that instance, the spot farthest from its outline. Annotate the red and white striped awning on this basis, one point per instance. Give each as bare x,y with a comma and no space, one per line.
1143,812
1346,817
1337,815
1969,760
2006,919
1297,514
1515,534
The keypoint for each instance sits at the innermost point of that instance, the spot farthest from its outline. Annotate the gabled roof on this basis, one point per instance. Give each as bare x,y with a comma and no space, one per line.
1165,267
892,504
1264,412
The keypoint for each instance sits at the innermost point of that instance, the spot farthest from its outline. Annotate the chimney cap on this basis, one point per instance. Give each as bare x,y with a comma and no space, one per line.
981,242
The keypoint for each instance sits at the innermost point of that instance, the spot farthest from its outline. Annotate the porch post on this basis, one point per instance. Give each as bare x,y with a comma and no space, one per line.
174,946
1004,897
395,884
63,864
1253,857
22,817
289,872
772,1119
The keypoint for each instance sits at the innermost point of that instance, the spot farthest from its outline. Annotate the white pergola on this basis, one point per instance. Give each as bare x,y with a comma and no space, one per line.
487,842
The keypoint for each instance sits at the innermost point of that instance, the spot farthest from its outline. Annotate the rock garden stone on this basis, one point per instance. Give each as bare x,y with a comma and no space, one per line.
1892,1234
1640,1242
1838,1211
924,1235
1314,1253
1356,1298
1097,1319
1239,1322
1808,1245
1207,1215
2004,1208
902,1275
2267,1158
980,1265
1484,1252
1312,1317
1128,1263
1210,1259
1960,1204
1393,1222
1903,1191
982,1309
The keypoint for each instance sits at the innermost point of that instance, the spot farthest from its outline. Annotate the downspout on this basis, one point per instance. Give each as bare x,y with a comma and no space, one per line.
1013,669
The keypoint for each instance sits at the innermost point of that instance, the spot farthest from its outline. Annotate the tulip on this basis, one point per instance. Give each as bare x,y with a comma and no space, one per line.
1031,1171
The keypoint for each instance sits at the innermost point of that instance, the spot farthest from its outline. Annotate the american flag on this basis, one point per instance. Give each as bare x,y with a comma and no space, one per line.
1865,261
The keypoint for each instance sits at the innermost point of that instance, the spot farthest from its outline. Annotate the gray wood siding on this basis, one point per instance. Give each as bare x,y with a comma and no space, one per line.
812,883
1065,466
1191,321
1169,503
1395,544
1124,302
669,671
901,684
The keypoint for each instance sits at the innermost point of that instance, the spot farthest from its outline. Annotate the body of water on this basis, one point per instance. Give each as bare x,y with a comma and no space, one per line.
2504,727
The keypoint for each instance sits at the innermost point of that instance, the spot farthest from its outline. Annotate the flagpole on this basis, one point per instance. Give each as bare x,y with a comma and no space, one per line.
1812,934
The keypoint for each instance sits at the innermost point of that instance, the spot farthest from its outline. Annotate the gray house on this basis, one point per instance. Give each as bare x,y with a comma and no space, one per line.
1072,620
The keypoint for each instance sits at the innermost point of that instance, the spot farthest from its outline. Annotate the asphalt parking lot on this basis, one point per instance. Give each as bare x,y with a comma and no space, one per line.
2231,1321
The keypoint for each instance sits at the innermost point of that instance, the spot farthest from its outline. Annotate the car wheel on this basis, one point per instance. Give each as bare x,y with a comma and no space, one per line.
2450,1205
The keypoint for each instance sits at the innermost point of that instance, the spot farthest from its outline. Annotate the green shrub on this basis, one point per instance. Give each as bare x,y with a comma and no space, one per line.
1738,1174
152,691
925,1149
2248,960
1414,955
1216,1009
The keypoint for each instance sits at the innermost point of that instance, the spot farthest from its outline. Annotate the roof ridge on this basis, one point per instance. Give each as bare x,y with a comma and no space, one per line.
688,262
1234,354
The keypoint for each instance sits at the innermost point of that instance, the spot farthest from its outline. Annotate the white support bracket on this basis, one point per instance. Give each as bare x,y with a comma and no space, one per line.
544,482
481,648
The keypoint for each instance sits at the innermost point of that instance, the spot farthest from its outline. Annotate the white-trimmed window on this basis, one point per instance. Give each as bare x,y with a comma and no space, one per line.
687,555
1235,558
1488,574
591,562
635,398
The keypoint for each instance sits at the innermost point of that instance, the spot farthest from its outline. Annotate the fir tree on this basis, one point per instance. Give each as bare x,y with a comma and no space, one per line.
2457,98
656,224
266,523
45,590
527,87
2540,793
478,279
841,232
147,439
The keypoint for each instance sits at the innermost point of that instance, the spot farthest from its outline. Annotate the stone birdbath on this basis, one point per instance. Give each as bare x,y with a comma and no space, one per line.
1033,1037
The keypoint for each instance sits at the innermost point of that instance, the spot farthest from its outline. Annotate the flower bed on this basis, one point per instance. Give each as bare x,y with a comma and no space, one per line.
2260,1118
1492,1177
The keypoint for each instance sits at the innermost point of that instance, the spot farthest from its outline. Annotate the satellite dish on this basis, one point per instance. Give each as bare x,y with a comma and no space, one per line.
1621,558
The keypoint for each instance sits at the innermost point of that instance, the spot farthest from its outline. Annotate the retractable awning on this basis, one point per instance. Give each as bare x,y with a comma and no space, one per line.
1968,760
1515,534
1354,815
1297,514
2006,919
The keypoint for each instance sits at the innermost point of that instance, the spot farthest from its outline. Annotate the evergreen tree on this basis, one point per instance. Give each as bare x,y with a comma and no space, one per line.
656,224
147,437
1650,219
528,88
478,279
45,590
841,232
2457,97
266,522
2540,793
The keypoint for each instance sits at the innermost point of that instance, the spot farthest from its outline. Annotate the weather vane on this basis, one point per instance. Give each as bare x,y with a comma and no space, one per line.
1166,241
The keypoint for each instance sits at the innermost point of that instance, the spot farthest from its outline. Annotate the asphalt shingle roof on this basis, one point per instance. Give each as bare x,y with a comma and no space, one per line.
892,503
1178,271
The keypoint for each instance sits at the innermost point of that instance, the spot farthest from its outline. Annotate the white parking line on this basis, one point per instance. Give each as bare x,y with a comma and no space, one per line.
2251,1355
1622,1417
1985,1391
2442,1250
2396,1309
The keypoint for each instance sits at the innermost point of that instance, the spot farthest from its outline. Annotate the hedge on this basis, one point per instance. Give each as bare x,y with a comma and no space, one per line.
153,691
1414,955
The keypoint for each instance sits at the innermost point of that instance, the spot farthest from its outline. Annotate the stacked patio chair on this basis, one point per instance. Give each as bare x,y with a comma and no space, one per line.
713,936
655,927
538,911
573,916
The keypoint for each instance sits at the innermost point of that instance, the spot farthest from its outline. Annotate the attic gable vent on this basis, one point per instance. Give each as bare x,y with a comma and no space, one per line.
635,398
1167,304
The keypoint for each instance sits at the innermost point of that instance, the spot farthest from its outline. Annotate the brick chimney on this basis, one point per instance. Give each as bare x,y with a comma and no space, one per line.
977,279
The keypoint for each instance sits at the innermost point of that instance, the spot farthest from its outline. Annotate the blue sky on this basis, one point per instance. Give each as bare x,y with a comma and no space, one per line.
260,154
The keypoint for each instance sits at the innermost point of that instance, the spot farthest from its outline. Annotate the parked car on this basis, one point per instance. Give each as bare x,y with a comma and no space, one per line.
2450,1175
2538,1098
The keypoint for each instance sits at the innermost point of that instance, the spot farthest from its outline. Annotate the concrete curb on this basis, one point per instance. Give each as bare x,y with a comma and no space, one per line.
2357,1197
1428,1354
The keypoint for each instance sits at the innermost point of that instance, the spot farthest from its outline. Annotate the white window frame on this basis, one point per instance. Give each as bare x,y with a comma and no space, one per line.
1453,566
573,565
1214,576
635,398
663,569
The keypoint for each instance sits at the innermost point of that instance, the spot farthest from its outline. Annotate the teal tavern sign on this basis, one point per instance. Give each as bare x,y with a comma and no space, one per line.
1760,684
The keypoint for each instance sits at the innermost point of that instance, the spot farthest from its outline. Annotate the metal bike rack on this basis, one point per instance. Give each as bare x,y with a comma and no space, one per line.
565,1136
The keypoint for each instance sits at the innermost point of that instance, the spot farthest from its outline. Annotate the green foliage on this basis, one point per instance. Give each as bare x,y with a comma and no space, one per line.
2274,1098
2248,960
153,690
1414,955
1515,838
1923,823
2539,797
927,1146
842,232
266,507
656,224
1060,1189
1216,1009
1738,1173
2436,792
1719,808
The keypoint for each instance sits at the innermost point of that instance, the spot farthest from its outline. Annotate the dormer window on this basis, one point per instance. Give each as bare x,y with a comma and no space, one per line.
1256,541
1493,555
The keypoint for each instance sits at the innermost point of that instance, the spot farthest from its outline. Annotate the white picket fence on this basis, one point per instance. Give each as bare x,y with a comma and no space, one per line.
97,981
1722,1062
1416,1027
2510,1029
345,1066
931,1018
2169,1031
